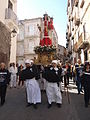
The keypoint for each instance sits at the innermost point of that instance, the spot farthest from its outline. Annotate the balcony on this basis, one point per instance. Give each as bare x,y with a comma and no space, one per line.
86,39
11,18
83,41
66,33
71,18
77,21
68,3
76,3
72,28
70,49
69,34
68,39
82,3
80,41
75,47
72,37
67,45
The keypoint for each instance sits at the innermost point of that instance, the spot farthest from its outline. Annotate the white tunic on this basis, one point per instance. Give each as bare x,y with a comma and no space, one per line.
33,91
13,76
53,93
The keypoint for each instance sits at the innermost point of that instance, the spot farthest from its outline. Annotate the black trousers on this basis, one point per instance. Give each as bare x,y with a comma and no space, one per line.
3,93
65,83
87,94
66,80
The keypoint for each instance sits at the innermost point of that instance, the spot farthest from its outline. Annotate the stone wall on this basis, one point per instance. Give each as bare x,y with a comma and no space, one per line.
5,39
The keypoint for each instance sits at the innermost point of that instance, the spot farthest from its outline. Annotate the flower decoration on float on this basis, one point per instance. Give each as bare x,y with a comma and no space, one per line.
45,49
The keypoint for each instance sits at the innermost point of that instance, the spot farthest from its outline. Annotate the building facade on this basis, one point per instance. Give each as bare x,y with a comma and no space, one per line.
78,30
28,38
5,38
61,54
31,31
8,18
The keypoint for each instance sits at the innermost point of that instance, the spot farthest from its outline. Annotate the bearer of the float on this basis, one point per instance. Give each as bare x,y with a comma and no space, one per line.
29,75
52,75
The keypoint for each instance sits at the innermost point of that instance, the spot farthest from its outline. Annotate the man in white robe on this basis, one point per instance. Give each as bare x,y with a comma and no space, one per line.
53,92
13,75
32,87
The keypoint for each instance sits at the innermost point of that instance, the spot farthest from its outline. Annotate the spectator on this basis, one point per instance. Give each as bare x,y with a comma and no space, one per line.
4,80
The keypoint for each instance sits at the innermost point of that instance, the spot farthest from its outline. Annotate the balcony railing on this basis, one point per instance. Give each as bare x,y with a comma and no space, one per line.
86,38
68,3
77,17
72,28
75,47
69,34
9,14
80,41
70,49
77,21
82,3
76,2
72,37
83,41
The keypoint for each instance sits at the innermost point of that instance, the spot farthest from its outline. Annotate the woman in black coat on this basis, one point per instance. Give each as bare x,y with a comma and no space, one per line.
4,80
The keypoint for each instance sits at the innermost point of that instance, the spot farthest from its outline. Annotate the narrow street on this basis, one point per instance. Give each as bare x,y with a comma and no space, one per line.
44,39
15,107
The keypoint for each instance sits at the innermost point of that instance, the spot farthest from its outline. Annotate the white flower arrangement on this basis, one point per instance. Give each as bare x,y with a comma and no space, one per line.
49,48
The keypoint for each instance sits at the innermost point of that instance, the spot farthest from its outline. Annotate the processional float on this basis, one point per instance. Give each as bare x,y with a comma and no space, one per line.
46,50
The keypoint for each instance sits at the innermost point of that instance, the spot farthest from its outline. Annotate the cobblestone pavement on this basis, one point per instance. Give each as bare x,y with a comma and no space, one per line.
15,107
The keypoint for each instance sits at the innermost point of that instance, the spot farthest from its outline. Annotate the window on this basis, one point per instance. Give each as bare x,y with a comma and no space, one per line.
20,49
31,30
72,3
78,35
86,55
81,3
31,46
84,30
21,34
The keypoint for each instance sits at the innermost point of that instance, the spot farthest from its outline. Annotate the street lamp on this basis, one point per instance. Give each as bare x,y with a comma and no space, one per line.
13,33
13,45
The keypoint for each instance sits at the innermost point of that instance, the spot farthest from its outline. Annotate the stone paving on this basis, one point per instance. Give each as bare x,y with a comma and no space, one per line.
15,107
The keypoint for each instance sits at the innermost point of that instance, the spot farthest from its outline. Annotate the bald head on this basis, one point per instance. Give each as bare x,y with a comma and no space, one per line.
79,61
2,65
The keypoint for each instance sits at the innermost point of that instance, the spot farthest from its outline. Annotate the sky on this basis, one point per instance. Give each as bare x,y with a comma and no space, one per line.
28,9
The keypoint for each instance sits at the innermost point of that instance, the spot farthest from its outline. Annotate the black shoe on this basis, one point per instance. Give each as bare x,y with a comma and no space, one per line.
49,105
2,102
58,105
28,105
86,106
35,106
62,92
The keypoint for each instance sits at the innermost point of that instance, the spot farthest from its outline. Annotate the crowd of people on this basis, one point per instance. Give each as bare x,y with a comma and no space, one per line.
38,78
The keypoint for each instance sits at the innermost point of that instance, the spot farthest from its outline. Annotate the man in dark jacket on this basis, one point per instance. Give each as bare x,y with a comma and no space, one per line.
79,72
4,80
